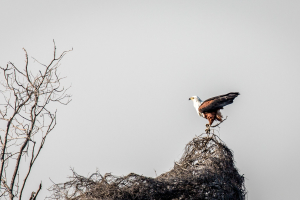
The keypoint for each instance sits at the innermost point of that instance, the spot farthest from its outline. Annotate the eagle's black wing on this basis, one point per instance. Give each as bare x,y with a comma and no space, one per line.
218,102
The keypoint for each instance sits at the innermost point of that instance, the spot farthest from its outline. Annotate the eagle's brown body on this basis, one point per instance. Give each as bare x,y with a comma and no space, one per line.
212,116
210,108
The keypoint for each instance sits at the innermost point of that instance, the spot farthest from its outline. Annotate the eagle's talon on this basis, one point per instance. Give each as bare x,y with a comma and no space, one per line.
207,130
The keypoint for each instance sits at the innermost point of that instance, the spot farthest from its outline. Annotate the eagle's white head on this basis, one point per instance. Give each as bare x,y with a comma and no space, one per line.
197,102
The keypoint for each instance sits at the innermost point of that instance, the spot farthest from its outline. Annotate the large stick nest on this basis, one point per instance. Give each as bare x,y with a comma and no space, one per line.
205,171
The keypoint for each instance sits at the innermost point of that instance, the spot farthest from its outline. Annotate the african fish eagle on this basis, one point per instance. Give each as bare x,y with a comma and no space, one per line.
210,108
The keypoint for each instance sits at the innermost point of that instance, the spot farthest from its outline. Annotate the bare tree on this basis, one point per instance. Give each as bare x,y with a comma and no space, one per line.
27,119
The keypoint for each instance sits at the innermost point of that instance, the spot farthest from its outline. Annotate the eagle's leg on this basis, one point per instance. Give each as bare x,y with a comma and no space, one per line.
207,130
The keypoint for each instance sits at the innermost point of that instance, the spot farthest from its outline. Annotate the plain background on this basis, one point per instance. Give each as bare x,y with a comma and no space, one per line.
133,68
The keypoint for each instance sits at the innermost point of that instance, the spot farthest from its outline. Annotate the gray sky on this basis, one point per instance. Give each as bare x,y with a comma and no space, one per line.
136,63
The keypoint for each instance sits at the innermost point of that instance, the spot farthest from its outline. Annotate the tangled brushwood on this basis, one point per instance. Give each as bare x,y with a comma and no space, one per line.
205,171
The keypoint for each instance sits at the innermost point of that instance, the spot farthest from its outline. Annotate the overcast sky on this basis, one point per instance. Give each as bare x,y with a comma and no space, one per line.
136,63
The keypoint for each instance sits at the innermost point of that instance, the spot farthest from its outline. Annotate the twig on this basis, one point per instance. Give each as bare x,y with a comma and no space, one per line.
34,194
219,123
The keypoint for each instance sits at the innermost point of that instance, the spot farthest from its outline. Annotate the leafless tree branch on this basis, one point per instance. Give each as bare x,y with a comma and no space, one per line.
28,120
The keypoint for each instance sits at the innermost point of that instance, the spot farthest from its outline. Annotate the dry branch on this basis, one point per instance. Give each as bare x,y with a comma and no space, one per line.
26,95
218,123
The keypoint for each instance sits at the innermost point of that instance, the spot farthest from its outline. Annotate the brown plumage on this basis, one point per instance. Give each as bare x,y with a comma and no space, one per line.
211,107
211,117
